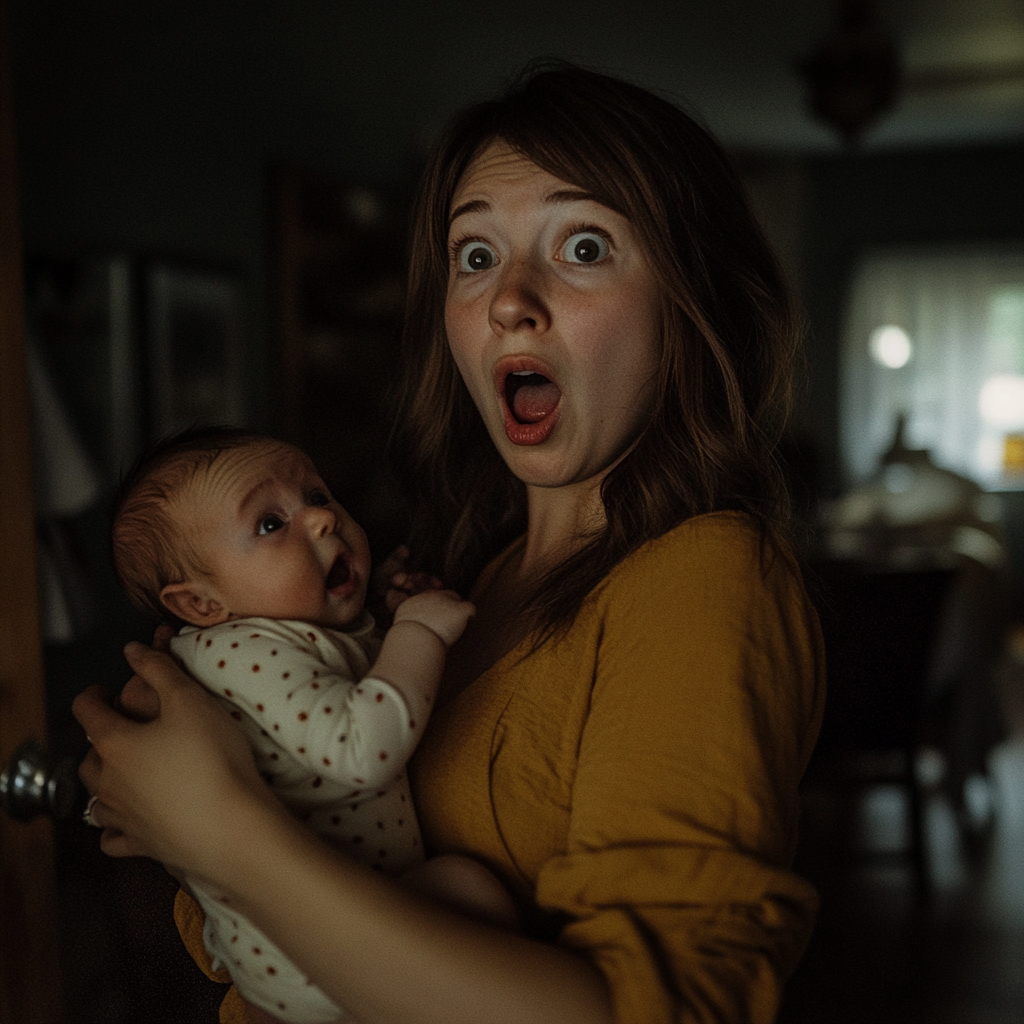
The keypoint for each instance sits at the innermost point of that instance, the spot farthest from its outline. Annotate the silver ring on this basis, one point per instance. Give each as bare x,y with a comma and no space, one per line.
87,813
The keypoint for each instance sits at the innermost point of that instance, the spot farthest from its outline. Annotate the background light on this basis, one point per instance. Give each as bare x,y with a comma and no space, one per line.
890,346
1001,401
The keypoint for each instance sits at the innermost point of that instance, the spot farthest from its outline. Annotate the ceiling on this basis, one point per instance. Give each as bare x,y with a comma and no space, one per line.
381,70
734,60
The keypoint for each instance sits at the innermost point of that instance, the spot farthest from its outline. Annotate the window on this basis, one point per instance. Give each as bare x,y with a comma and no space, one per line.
939,337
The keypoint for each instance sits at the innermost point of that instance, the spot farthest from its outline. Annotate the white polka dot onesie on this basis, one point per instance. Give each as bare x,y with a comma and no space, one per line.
333,747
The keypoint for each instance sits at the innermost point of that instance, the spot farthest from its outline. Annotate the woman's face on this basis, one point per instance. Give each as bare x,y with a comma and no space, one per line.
553,318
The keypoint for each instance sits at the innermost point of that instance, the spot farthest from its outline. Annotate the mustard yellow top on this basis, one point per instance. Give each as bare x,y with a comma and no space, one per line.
635,782
637,779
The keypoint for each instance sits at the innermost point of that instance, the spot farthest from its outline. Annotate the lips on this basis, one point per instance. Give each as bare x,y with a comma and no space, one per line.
339,578
531,399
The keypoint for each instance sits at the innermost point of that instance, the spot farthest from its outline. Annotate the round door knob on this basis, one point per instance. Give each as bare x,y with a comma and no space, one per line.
38,783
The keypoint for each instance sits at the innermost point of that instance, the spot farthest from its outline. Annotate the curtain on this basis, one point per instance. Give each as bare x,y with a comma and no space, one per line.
963,312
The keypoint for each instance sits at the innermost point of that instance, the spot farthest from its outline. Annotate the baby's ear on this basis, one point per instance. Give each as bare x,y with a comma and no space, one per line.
194,603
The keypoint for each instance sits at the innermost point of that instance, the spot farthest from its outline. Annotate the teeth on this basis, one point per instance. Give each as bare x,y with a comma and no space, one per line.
522,373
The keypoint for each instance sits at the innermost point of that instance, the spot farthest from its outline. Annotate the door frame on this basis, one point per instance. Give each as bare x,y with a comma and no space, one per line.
30,978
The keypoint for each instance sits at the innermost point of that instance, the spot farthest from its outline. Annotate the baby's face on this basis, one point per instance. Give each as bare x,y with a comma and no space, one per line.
277,543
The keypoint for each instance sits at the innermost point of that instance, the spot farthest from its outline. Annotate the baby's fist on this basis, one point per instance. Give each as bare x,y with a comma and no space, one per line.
441,611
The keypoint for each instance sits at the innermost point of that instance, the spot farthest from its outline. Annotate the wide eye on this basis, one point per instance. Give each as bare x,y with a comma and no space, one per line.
269,524
476,256
585,247
319,497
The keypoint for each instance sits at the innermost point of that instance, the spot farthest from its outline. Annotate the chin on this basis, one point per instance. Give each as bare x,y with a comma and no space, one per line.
537,469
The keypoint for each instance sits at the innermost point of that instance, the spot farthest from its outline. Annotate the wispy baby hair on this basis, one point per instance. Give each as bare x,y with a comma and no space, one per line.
148,547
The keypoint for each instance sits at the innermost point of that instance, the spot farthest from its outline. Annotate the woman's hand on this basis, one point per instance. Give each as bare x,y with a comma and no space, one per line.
138,700
168,788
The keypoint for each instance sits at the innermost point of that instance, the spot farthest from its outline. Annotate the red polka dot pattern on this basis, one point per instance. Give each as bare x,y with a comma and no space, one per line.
321,741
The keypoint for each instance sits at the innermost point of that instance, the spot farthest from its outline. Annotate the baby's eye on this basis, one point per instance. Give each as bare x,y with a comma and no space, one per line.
585,247
269,524
476,256
319,497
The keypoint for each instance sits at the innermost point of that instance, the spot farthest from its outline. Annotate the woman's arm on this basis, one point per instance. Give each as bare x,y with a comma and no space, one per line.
184,789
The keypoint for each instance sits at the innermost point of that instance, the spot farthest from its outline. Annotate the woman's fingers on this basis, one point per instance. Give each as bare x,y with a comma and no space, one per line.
138,700
116,844
157,668
166,788
162,637
89,770
93,711
155,671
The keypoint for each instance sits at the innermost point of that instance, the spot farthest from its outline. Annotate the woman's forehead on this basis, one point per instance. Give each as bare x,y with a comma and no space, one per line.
500,169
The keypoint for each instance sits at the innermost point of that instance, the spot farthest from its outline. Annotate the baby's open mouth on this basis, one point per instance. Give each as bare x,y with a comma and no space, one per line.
340,573
531,396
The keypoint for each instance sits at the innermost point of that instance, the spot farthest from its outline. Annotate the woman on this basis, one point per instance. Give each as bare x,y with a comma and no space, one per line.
598,351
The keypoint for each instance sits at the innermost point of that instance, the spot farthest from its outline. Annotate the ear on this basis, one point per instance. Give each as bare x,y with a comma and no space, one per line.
196,603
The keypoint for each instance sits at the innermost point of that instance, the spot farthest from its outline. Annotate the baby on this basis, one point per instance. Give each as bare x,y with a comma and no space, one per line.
234,536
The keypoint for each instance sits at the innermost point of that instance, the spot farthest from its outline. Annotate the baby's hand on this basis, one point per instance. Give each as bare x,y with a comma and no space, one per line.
441,611
396,583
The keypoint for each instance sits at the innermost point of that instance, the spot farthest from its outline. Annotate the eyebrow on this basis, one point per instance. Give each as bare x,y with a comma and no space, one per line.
254,493
562,195
473,206
572,195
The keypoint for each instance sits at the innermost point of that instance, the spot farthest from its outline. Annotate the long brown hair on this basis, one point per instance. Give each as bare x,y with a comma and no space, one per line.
730,333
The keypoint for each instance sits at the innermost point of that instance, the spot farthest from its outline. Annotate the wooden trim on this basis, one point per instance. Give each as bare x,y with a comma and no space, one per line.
30,988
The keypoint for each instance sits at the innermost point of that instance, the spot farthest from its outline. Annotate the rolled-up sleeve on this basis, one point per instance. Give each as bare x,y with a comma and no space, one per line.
705,705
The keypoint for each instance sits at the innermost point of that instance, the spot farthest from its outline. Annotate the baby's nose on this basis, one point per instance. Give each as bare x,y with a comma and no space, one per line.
322,520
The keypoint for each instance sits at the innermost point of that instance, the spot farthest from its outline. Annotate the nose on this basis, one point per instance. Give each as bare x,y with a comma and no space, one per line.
519,302
321,520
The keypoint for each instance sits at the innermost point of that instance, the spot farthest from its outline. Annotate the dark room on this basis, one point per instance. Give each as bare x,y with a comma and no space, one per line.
738,362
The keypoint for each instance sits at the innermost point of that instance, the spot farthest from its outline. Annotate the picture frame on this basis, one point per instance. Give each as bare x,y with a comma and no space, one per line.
196,348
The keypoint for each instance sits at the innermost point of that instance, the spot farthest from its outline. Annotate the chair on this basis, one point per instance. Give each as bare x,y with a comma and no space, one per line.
879,625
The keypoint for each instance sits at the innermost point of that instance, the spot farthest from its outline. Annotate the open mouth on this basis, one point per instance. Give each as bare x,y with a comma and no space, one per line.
531,399
530,396
339,575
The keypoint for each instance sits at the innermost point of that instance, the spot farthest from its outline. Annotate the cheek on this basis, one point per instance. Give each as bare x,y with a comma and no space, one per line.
457,319
630,344
623,370
465,353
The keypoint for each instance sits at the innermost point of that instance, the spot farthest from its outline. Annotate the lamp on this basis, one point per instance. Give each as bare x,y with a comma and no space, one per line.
855,75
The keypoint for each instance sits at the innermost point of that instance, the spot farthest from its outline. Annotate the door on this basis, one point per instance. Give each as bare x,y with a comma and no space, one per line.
30,984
